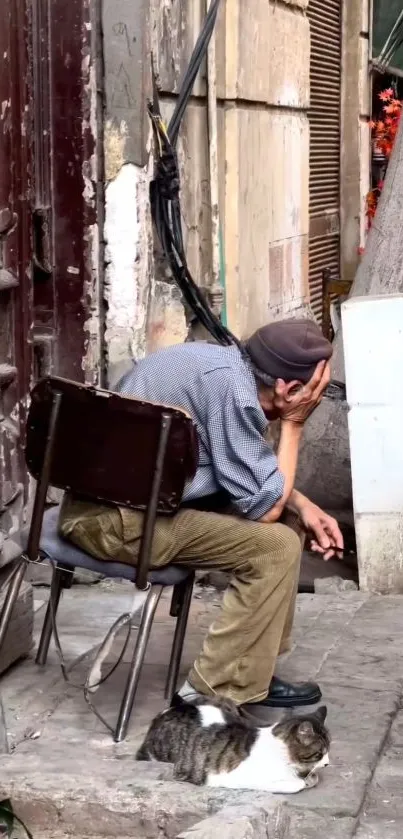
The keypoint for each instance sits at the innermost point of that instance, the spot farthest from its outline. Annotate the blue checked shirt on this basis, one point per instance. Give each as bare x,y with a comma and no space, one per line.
216,387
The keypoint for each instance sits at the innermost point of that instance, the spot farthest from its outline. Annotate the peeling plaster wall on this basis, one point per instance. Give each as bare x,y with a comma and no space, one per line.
127,164
263,88
93,196
126,281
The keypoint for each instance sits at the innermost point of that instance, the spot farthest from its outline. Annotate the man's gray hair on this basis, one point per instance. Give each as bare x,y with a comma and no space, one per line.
267,380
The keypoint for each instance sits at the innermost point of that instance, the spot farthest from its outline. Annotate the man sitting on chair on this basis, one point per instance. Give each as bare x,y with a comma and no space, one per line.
281,373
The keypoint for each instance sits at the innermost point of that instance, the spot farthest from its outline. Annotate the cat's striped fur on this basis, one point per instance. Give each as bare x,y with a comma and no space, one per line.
208,742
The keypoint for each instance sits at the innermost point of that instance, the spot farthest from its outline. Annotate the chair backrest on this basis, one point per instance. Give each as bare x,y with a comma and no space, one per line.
105,445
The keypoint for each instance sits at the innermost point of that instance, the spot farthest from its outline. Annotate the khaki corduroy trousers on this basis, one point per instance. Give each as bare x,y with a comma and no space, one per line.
238,656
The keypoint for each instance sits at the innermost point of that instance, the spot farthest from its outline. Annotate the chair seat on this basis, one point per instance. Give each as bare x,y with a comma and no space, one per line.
60,550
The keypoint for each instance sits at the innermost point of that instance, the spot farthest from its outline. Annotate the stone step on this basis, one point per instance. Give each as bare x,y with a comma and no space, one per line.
19,638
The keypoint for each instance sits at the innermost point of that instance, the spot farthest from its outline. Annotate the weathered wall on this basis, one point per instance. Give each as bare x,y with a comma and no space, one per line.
355,132
127,223
263,90
265,148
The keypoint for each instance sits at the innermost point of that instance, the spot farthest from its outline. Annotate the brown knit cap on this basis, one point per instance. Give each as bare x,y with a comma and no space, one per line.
289,349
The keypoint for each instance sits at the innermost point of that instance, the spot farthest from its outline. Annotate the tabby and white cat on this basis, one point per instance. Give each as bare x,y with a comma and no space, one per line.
210,743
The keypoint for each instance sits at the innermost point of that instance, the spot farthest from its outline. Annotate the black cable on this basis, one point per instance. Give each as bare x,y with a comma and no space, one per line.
164,191
62,660
174,253
189,78
177,261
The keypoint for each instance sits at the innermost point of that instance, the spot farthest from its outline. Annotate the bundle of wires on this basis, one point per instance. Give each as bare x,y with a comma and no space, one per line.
165,200
165,188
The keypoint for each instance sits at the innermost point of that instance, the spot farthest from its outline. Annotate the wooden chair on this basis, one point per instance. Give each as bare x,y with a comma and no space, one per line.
108,448
332,288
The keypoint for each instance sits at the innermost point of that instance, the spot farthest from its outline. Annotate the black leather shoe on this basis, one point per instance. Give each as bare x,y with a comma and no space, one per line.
280,695
284,695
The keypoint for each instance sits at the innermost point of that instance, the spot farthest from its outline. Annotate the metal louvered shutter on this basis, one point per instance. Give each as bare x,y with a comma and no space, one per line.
324,151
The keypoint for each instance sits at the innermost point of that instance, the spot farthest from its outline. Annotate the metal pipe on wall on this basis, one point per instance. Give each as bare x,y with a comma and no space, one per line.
216,288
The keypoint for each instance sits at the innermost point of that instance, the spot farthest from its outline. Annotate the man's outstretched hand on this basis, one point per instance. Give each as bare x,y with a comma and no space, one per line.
327,536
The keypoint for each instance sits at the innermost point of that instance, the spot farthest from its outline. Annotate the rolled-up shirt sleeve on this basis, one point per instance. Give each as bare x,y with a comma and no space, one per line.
243,462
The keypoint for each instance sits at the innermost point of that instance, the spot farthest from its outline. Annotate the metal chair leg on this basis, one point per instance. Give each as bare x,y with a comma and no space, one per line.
137,662
14,585
177,599
179,637
60,579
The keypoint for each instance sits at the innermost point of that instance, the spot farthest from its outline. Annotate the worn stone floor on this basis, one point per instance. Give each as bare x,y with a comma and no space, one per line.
68,778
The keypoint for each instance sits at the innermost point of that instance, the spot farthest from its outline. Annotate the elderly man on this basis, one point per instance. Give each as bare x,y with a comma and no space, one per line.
281,372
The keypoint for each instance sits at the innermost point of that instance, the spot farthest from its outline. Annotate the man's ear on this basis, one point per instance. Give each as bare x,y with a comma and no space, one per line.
292,388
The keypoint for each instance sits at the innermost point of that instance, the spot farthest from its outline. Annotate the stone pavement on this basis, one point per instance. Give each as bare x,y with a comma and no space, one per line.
68,778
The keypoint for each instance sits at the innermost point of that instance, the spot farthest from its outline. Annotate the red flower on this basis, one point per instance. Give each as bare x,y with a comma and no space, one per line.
383,134
386,94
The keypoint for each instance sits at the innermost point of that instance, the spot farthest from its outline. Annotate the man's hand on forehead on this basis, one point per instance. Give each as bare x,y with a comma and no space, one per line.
295,401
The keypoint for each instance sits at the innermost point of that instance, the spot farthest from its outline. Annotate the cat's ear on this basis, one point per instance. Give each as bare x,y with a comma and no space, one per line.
321,714
305,733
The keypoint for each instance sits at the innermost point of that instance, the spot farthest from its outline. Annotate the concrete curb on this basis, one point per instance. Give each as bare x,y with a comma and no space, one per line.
242,823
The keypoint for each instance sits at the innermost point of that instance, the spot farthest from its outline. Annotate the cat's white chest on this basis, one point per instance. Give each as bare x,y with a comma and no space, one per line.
266,768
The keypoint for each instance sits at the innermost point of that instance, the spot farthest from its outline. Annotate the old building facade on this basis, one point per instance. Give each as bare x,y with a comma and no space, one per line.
83,288
293,161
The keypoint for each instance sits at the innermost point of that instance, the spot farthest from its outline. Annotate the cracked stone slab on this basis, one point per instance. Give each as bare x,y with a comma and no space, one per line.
74,781
321,623
358,715
78,797
299,826
281,822
61,787
310,824
52,792
368,653
383,808
380,829
396,731
241,822
384,800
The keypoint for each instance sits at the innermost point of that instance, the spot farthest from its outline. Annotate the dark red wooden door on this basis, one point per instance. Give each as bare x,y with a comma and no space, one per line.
65,184
16,264
48,200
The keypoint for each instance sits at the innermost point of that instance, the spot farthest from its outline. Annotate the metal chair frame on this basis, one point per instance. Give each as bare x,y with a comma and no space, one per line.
180,605
182,593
